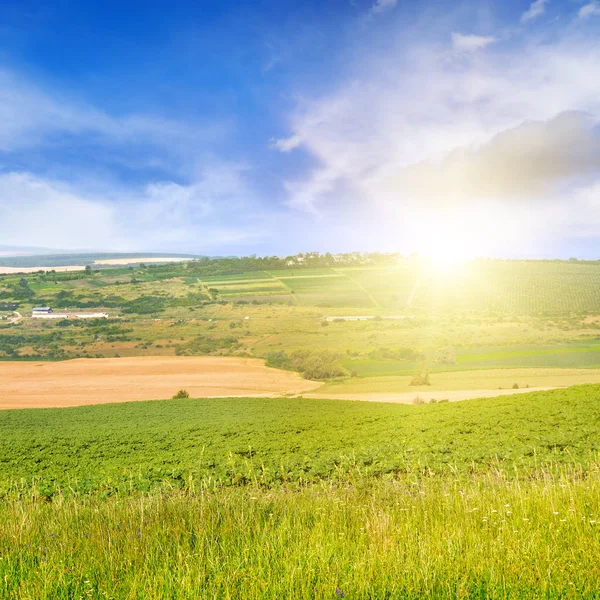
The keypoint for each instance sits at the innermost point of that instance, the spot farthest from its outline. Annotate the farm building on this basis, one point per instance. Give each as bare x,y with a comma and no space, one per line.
45,312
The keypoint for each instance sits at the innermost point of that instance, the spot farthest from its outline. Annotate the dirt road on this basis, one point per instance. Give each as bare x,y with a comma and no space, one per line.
411,397
18,317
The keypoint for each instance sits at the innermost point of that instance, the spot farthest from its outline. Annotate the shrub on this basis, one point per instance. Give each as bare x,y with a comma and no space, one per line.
445,356
310,364
420,378
398,353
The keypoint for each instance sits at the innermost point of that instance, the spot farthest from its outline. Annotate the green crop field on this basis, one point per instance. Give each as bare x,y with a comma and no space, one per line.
506,304
312,498
262,498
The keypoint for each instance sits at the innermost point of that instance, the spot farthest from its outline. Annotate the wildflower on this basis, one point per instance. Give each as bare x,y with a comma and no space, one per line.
339,592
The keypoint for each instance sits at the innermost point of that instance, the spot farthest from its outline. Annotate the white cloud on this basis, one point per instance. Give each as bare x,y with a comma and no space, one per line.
418,105
589,10
31,116
286,144
215,211
381,6
535,10
87,208
471,43
521,163
47,213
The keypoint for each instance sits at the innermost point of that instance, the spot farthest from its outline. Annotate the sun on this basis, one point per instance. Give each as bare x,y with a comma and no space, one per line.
449,241
447,251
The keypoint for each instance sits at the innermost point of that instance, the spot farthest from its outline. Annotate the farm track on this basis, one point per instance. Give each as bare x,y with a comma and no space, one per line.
424,397
18,317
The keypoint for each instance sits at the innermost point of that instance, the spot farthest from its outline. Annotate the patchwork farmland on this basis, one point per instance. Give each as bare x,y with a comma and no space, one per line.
222,497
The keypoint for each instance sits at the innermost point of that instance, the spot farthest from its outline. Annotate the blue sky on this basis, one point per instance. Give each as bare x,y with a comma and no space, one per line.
280,127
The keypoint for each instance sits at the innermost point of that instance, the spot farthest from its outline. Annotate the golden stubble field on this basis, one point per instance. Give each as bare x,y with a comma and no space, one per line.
83,381
105,380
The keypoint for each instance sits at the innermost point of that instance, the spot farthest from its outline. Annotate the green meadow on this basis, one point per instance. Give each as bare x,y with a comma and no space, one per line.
305,497
262,498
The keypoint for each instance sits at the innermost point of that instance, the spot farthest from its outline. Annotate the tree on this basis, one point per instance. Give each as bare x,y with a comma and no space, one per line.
445,356
421,377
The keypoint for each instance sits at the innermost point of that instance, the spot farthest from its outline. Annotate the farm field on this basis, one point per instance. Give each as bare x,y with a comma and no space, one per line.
206,393
262,497
494,380
490,315
59,269
139,259
302,494
98,381
275,441
80,382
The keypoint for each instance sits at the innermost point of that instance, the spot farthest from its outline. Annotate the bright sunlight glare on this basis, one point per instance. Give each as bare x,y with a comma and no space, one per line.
450,240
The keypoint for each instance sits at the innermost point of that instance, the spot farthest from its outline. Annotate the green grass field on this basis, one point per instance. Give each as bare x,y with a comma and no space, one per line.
312,498
258,498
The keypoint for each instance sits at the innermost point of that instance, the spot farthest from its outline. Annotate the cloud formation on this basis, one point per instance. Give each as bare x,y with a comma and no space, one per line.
381,6
420,106
589,10
176,194
471,43
33,117
213,213
525,163
535,10
405,111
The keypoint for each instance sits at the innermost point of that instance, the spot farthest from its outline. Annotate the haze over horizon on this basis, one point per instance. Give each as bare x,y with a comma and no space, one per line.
276,128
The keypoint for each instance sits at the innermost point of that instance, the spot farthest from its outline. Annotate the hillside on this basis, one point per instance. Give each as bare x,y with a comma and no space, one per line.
273,442
260,498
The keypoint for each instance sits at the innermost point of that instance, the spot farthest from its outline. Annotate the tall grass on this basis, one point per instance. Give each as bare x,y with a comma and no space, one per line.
496,535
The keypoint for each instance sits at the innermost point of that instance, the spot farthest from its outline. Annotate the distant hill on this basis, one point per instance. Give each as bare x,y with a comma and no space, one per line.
64,259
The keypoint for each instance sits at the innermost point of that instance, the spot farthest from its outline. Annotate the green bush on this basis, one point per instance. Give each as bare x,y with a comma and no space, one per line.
421,378
310,364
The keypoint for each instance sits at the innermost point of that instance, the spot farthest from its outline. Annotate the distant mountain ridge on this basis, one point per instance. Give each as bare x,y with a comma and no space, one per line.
59,259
